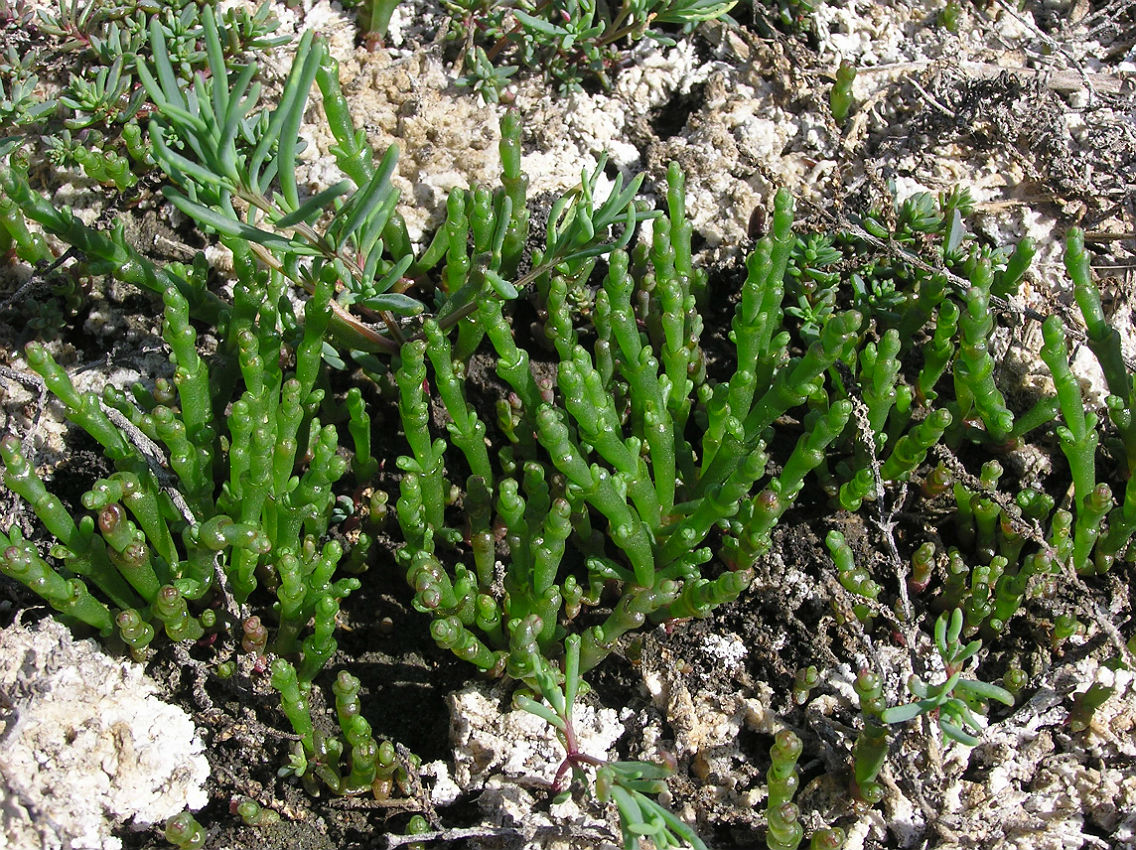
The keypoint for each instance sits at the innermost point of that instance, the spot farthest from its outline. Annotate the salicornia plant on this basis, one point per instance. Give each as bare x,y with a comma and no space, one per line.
221,494
840,98
619,473
785,830
630,460
606,448
258,507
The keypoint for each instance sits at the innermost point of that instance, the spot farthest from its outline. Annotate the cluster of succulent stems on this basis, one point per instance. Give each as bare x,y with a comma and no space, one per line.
627,472
607,447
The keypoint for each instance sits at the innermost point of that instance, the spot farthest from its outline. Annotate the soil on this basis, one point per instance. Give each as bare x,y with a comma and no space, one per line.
1033,109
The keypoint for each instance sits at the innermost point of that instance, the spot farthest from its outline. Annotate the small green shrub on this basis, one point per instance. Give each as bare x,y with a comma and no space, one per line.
630,785
574,42
955,700
608,447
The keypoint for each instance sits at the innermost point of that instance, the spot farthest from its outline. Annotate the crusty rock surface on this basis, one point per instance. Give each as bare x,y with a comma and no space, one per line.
87,745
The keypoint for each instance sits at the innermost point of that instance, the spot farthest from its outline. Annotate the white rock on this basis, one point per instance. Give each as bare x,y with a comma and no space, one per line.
87,745
503,754
516,743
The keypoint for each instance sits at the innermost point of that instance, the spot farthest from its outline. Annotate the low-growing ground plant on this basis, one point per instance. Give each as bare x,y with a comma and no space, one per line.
575,43
628,466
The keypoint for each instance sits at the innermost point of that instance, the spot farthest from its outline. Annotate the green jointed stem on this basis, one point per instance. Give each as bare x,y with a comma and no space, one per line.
352,153
82,408
295,704
289,416
22,479
618,286
359,425
829,838
364,755
86,553
320,645
171,608
1121,522
986,513
974,368
840,99
140,494
449,633
1104,340
782,776
346,689
922,307
810,449
1087,529
758,316
184,832
30,247
679,343
466,429
911,449
593,410
427,460
134,631
783,241
190,375
938,353
128,551
512,361
317,316
457,235
435,593
879,366
853,577
790,387
311,500
515,183
1078,438
290,596
483,223
20,560
699,596
785,832
548,549
1006,281
719,503
659,432
630,613
868,756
